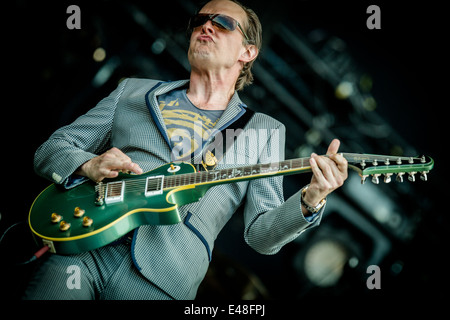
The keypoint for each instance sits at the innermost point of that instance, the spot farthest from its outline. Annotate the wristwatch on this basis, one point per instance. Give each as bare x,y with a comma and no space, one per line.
307,206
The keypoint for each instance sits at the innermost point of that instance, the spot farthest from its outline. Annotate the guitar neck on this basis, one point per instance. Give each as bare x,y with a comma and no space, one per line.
243,173
365,164
362,163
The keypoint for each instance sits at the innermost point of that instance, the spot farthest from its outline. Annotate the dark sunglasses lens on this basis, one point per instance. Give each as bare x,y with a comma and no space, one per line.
225,22
220,21
198,20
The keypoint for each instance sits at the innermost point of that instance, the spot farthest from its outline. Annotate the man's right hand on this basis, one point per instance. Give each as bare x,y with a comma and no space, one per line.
108,165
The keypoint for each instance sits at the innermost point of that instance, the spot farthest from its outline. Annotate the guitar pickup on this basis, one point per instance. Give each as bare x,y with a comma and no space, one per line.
154,185
114,192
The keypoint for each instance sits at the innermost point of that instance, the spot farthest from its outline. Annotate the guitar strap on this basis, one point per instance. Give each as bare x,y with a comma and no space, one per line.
224,139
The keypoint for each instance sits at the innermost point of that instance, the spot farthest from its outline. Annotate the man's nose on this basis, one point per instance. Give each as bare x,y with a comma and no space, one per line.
208,27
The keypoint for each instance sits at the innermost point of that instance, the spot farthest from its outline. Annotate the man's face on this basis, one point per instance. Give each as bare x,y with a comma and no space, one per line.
215,48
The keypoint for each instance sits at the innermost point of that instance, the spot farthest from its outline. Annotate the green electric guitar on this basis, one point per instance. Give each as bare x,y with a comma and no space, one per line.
92,215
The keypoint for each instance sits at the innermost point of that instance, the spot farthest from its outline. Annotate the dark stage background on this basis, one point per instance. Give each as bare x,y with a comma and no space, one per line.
321,72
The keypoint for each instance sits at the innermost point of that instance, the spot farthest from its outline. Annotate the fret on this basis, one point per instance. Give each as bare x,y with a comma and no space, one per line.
223,174
247,171
167,181
198,178
283,165
238,172
213,176
204,177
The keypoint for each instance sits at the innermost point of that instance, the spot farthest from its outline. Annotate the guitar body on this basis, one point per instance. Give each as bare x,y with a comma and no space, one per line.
111,220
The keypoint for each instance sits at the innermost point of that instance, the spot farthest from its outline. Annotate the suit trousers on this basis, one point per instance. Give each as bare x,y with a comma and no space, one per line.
107,273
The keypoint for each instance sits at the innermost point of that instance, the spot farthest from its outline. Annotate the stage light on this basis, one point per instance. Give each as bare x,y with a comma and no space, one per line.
324,262
99,54
369,103
344,90
159,46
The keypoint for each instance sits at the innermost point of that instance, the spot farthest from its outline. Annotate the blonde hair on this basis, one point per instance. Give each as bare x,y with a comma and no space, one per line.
254,33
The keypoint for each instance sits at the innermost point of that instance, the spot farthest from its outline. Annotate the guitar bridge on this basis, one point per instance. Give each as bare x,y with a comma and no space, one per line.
99,194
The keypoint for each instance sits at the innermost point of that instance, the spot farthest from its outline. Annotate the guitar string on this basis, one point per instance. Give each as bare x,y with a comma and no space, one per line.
196,177
137,184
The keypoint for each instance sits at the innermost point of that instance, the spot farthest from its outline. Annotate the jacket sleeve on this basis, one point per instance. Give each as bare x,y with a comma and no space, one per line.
72,145
271,222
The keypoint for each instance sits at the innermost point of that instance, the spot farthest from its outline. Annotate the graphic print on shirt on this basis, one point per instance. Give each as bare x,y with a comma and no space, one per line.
187,126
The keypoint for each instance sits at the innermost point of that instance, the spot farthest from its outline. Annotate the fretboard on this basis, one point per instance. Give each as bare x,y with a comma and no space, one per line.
238,173
364,164
285,167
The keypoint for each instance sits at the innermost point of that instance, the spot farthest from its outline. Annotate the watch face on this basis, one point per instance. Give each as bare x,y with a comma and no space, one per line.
324,263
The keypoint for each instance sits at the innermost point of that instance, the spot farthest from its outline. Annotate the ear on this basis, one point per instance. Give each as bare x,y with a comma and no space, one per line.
250,53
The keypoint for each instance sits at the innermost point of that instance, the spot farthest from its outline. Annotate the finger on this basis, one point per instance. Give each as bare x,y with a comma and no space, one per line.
315,169
334,174
132,167
333,147
104,173
116,160
112,174
327,167
340,161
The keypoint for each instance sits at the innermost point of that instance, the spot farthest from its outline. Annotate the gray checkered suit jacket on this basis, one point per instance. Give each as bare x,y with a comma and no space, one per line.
176,257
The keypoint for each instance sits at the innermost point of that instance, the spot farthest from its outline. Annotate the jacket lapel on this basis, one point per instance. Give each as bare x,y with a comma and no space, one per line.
234,111
153,105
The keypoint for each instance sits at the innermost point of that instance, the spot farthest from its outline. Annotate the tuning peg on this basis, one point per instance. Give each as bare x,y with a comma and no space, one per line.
363,179
387,177
423,176
399,177
375,179
411,176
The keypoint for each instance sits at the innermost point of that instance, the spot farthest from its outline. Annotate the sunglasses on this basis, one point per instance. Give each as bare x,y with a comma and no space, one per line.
219,20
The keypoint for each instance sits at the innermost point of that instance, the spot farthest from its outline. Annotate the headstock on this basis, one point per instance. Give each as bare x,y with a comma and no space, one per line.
377,165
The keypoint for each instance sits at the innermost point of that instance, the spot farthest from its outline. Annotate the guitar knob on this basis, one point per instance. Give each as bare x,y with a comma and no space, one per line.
411,176
399,177
78,212
64,226
56,217
87,222
375,179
